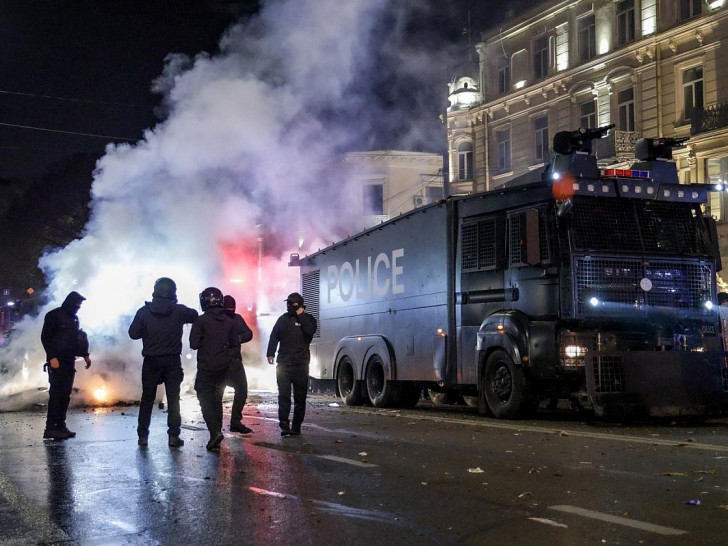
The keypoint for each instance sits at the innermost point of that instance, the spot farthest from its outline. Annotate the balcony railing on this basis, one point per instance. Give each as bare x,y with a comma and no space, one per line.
616,147
709,118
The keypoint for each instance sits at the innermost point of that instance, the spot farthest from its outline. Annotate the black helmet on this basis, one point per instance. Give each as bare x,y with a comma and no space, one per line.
211,297
295,299
165,288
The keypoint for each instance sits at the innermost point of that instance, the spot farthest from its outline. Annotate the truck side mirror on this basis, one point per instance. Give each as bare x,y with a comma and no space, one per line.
713,241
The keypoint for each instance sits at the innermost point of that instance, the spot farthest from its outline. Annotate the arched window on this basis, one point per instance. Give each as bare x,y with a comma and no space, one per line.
465,161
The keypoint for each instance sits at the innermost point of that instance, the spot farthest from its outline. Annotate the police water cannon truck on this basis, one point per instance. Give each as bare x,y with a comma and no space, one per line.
592,286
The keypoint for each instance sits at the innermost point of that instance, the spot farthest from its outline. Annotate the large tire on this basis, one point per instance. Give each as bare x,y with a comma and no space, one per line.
382,391
505,386
349,386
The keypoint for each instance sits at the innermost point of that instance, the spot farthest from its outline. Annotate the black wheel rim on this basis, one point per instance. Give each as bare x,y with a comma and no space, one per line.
346,379
375,379
502,383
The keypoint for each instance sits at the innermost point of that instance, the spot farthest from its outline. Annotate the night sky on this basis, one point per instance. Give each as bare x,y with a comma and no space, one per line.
84,66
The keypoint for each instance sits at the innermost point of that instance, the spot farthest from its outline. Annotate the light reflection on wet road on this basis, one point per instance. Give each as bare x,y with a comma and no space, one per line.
361,476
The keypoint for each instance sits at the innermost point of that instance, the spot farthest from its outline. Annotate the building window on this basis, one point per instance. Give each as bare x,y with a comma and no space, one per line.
541,57
689,9
692,90
588,115
541,126
465,161
504,76
374,199
587,38
503,141
625,22
625,107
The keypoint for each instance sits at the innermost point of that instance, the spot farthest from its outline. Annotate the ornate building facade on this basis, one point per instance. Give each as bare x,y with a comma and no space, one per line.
651,67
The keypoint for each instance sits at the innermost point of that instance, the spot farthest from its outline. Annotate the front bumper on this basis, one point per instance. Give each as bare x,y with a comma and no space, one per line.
660,383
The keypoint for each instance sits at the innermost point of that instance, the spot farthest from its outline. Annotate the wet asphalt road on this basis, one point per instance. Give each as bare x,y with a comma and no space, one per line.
364,476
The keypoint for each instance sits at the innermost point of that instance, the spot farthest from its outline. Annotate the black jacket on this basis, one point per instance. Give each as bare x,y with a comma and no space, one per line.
159,325
216,337
245,334
294,334
59,336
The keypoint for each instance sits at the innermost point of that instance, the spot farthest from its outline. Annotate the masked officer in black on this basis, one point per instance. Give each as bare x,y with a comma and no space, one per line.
236,377
293,331
63,341
216,337
159,325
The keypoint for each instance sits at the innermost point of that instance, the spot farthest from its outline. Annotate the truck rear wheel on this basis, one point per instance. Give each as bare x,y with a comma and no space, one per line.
382,391
349,386
504,385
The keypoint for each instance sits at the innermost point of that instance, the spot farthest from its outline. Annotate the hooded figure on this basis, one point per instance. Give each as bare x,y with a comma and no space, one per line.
63,340
159,325
236,377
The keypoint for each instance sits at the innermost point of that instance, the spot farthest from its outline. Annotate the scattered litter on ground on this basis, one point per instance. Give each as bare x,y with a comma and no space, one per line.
363,454
525,494
476,470
692,502
334,405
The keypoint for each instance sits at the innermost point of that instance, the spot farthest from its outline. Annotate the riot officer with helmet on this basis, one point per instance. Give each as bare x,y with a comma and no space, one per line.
216,337
159,325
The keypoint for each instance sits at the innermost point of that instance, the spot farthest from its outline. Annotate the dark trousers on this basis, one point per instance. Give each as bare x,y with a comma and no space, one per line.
287,377
236,379
61,381
155,371
210,386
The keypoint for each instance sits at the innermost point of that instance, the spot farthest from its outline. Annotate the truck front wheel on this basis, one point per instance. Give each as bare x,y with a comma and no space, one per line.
504,385
349,386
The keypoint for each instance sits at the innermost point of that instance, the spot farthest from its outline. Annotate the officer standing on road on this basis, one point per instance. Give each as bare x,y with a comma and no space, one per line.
63,340
159,325
216,337
293,331
236,377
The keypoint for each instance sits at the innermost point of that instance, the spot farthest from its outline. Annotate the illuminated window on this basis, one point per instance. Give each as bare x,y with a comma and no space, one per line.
541,126
588,114
374,199
625,107
692,90
541,57
465,161
504,76
717,173
625,22
587,38
503,142
689,9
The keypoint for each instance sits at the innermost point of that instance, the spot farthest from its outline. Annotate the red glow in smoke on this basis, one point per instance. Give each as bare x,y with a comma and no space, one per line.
240,267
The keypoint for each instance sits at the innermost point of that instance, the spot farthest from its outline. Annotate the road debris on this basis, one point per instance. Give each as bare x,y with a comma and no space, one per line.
548,522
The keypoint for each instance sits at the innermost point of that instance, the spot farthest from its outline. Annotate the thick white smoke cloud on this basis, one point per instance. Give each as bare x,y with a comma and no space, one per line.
238,157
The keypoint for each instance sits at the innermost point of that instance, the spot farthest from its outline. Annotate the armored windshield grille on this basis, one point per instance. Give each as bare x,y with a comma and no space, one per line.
544,239
637,225
478,243
310,292
515,247
616,283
